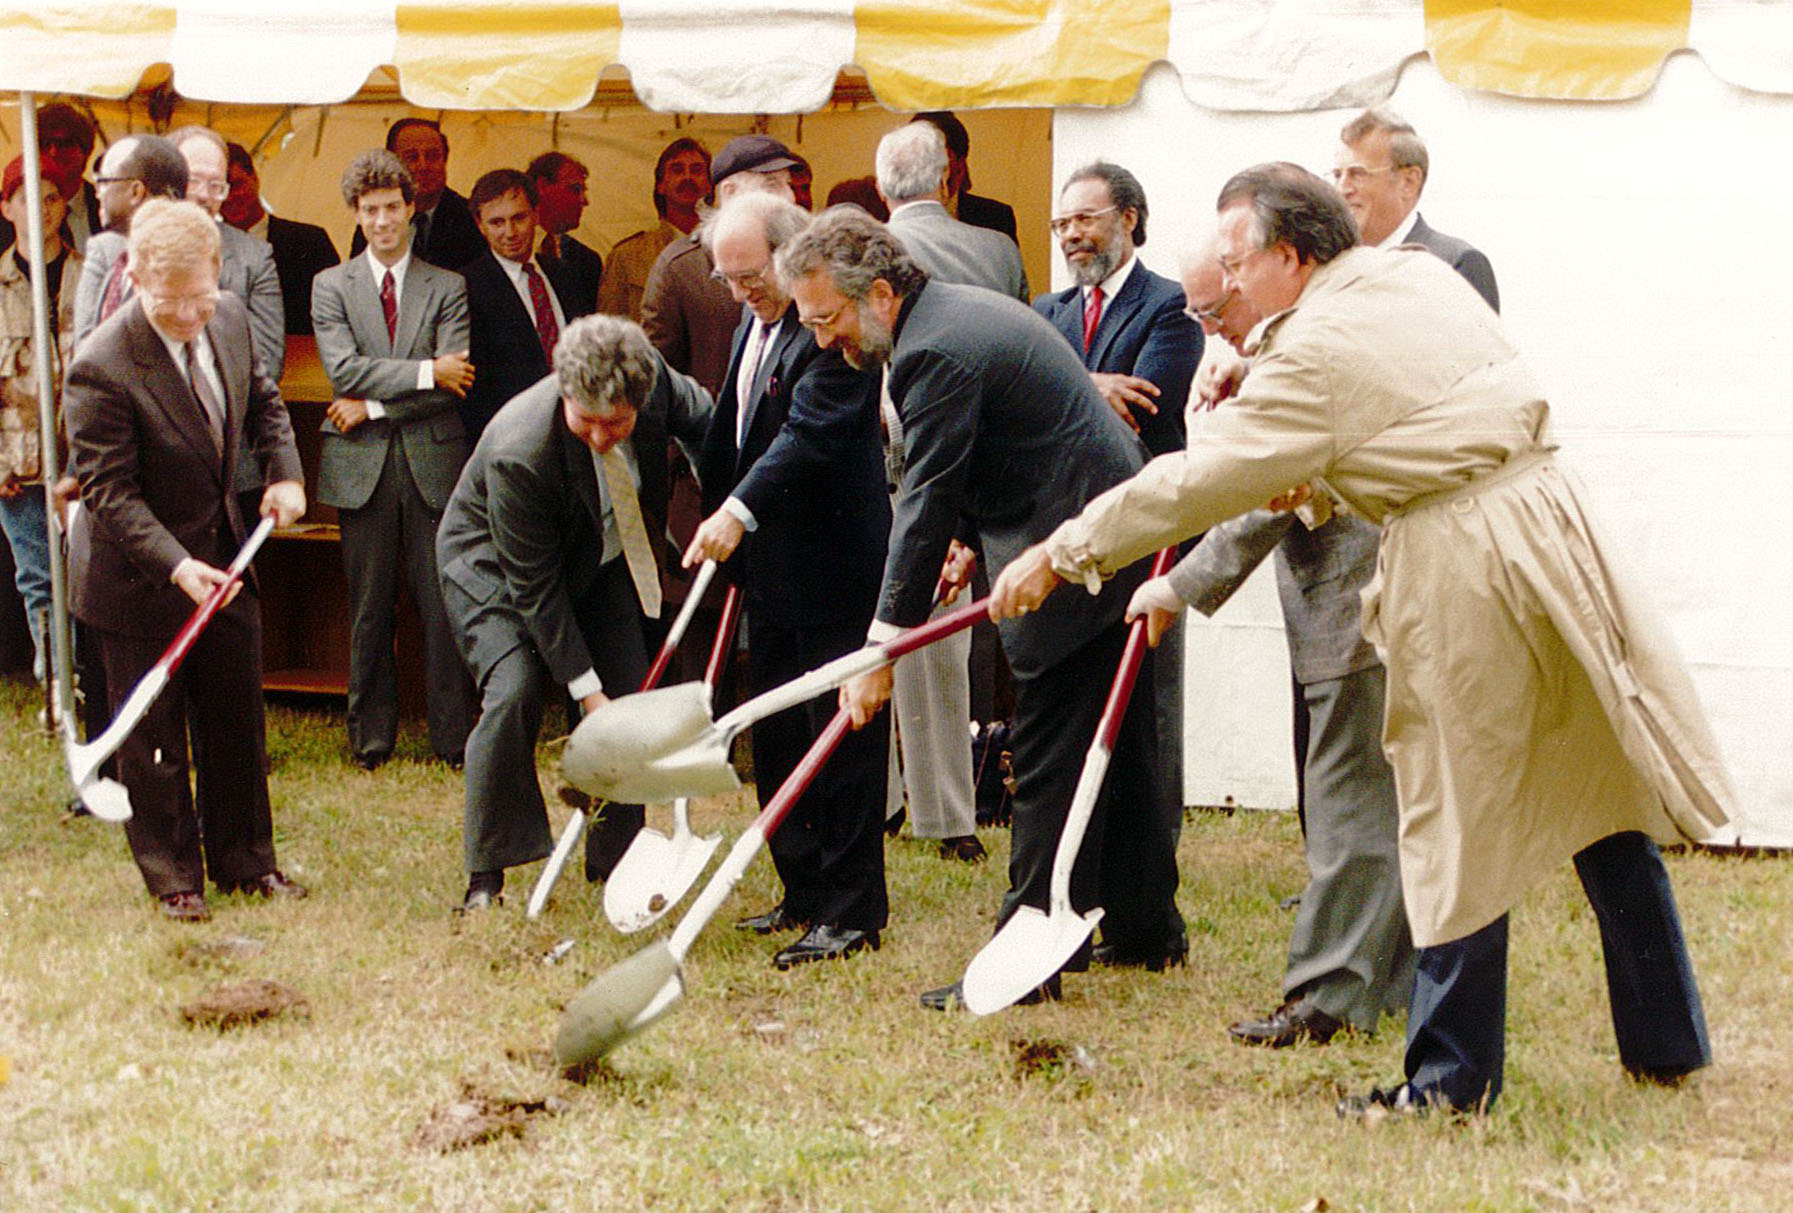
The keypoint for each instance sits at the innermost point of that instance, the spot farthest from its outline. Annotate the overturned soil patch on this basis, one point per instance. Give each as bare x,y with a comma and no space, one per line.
248,1002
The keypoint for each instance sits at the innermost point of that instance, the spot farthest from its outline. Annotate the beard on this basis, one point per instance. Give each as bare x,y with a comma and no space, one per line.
1100,263
875,342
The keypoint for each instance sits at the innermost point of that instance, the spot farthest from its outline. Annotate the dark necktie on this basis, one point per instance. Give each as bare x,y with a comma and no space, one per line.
550,251
1092,317
546,328
114,293
208,399
389,305
420,243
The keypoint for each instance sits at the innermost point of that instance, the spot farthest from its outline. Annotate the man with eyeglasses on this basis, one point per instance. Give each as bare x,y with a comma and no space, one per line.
1005,436
1380,169
134,169
154,402
793,478
1350,952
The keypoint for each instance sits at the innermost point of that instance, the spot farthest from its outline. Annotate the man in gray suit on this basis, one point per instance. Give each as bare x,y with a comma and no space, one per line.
949,250
133,170
392,332
249,271
932,695
543,582
1350,953
1005,433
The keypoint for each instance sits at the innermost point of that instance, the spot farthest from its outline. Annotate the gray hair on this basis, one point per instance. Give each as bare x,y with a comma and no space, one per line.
777,219
603,362
911,162
1405,148
855,250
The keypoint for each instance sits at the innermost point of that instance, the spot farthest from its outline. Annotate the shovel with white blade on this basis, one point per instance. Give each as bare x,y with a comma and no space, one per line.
662,744
1032,946
575,826
105,798
657,871
622,1001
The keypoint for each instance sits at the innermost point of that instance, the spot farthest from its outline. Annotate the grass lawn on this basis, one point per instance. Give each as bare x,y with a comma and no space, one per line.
825,1088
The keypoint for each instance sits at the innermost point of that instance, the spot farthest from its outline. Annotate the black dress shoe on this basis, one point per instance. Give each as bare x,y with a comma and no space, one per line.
1291,1023
1154,960
1380,1104
823,942
947,998
269,884
771,922
893,825
371,761
966,849
184,907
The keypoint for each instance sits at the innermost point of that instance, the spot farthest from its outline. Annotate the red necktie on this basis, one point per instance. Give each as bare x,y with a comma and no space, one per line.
115,288
1092,316
546,328
208,399
389,305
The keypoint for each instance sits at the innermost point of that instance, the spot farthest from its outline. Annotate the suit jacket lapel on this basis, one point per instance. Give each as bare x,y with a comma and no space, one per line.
581,468
234,371
417,300
1115,314
362,292
167,387
762,377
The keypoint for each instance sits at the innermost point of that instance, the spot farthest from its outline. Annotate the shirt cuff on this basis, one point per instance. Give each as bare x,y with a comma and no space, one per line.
737,509
881,632
1072,558
426,375
375,410
586,684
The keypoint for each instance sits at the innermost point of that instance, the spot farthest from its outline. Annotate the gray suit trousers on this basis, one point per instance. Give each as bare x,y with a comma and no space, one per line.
396,531
932,706
1351,953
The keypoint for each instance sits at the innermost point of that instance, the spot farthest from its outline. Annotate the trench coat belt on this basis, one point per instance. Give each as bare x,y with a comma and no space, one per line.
1518,465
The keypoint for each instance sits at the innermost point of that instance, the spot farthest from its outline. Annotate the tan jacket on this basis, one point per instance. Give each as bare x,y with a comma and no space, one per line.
1536,703
21,451
625,273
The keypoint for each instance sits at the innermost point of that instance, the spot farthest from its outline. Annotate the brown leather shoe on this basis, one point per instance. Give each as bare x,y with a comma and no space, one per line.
269,884
184,907
966,849
1291,1023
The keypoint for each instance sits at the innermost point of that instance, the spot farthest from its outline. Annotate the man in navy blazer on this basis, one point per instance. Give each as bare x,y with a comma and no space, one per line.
793,477
1005,436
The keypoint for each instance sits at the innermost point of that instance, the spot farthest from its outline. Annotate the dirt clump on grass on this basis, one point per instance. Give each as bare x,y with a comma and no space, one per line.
478,1117
1050,1059
245,1003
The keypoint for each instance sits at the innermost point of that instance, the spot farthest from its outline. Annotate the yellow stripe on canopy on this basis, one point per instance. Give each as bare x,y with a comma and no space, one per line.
941,54
1593,50
99,50
540,55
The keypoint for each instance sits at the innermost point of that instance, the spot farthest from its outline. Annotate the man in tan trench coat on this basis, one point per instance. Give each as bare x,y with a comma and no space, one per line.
1537,708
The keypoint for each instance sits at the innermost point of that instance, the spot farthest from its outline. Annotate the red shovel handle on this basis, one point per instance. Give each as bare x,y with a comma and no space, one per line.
1131,656
803,774
183,640
725,635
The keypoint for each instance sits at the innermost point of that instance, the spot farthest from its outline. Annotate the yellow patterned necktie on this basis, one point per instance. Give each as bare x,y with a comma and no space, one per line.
630,527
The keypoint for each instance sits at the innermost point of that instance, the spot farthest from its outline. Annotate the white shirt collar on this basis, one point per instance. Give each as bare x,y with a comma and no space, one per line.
379,268
1403,230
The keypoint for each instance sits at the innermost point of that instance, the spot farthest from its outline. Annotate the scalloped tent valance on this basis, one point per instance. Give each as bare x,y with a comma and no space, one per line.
751,56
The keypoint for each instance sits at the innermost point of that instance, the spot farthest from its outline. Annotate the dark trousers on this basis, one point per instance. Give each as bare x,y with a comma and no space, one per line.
220,824
1128,861
830,850
506,822
1456,1030
394,535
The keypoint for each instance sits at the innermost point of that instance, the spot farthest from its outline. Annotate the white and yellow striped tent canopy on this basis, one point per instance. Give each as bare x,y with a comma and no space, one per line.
783,56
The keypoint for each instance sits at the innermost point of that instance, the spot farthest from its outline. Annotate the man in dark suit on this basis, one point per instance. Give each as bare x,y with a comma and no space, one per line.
154,402
547,573
393,336
1380,169
443,231
966,206
301,250
517,305
560,202
792,472
1128,326
1005,435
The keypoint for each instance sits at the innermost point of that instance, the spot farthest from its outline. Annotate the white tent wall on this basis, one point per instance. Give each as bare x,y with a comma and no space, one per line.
301,165
1641,265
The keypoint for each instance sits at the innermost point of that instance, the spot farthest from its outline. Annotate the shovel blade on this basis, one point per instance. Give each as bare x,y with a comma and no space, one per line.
653,875
1030,948
618,1003
649,746
106,799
